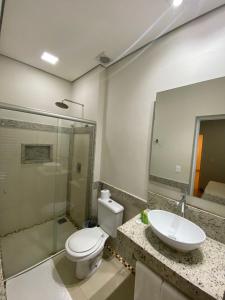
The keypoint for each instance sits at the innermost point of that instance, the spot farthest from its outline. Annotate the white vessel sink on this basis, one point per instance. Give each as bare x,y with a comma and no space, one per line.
177,232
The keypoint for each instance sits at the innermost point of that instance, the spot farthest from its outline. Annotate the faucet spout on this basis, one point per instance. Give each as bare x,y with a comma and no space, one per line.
182,204
182,209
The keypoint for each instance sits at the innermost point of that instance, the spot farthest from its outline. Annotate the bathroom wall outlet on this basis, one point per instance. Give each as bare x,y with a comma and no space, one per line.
178,168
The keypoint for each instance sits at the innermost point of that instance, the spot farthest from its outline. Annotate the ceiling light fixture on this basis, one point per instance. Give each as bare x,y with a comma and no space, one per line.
177,3
52,59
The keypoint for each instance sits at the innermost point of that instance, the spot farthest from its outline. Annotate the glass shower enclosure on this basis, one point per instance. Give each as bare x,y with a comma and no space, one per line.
46,174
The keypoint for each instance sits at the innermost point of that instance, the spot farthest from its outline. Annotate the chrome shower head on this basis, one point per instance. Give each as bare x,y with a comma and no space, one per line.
61,105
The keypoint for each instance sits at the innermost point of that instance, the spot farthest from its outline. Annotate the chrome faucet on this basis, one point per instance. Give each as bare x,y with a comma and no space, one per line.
182,204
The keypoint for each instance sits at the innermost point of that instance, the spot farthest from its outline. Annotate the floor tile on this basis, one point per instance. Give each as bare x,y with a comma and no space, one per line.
42,282
55,280
108,278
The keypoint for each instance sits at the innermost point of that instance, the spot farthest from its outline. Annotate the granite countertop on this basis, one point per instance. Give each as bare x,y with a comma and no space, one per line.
200,274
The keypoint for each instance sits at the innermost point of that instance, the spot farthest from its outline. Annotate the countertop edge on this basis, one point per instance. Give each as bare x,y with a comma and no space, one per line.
135,252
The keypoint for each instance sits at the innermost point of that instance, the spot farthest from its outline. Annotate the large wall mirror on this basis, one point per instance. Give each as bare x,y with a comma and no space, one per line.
188,144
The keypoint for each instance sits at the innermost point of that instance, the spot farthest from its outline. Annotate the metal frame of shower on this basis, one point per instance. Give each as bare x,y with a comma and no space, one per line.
43,113
39,112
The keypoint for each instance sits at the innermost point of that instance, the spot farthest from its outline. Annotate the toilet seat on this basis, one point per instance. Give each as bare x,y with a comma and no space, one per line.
85,243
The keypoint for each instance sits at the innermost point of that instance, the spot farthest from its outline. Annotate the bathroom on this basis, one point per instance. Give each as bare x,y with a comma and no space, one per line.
106,126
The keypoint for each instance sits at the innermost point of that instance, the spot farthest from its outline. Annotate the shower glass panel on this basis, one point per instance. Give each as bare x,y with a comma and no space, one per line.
46,166
73,178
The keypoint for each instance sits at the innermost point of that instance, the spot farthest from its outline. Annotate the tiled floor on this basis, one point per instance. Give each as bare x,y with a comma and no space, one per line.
42,282
112,281
27,247
54,280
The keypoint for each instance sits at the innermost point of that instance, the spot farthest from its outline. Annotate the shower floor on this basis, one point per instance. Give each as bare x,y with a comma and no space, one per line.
25,248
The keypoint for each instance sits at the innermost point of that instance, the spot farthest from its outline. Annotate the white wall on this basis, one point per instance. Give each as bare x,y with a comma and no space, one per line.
90,90
193,53
23,85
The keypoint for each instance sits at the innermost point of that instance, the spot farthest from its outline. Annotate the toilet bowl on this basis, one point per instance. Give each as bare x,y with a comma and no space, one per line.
85,247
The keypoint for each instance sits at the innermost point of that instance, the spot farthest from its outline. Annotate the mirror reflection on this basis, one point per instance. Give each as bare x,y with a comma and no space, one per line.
188,144
209,179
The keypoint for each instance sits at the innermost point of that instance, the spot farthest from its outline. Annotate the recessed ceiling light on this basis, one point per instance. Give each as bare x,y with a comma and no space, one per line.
52,59
177,3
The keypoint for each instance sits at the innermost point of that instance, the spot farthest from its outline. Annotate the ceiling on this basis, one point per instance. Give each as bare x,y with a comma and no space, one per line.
77,31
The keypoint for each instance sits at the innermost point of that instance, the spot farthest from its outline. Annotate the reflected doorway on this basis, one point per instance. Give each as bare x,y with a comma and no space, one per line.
208,180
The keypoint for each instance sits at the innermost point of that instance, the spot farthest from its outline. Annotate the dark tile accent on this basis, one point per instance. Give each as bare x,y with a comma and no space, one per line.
7,123
132,204
36,153
213,198
180,185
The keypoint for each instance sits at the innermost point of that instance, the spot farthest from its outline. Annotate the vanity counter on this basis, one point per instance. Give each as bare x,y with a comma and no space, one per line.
199,274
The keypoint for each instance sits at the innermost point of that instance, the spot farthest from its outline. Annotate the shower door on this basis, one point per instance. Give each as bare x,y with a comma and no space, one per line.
75,156
28,148
45,178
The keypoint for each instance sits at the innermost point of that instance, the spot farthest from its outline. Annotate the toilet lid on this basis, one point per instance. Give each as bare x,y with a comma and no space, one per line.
84,240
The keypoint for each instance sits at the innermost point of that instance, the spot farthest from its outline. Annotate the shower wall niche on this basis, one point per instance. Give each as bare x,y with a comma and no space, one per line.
46,167
36,153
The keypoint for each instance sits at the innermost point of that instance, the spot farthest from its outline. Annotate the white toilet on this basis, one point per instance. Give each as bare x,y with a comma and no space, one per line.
85,247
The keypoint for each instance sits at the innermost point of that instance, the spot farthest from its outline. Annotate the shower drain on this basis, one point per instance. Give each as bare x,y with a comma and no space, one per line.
62,220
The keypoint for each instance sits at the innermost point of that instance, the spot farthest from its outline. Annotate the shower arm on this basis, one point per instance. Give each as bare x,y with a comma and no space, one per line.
71,101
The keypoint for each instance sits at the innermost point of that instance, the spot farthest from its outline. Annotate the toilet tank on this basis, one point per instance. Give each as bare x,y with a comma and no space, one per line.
110,215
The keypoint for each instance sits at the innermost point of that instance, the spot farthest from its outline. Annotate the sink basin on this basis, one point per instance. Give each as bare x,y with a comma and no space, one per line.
177,232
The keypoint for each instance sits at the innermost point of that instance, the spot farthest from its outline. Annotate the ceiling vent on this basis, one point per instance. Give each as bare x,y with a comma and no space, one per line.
103,59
